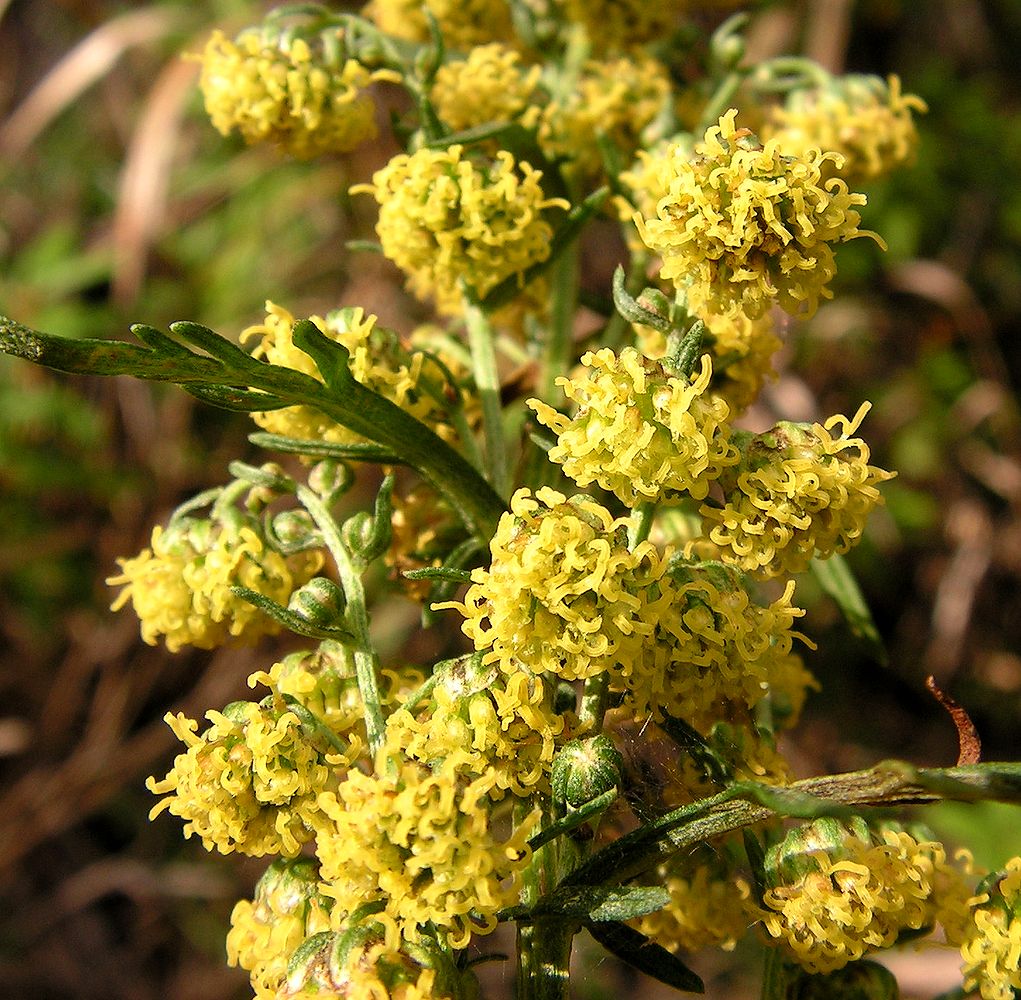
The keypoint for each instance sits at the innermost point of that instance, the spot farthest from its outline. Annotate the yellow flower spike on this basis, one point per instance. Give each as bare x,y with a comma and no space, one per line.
378,360
248,783
707,909
743,226
463,23
842,900
445,218
284,91
640,432
617,99
863,118
421,841
180,587
563,594
991,945
487,86
266,931
799,492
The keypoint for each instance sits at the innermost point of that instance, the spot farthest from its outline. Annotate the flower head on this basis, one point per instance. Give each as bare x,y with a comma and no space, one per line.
248,783
446,218
488,85
378,360
865,119
463,23
639,431
483,721
563,594
708,908
622,24
798,492
286,90
422,841
267,930
838,894
991,948
616,99
180,587
744,225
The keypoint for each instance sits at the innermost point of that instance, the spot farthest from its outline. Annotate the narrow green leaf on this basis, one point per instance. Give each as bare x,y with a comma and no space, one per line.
638,951
601,903
330,357
158,340
213,344
323,449
438,573
290,620
838,582
242,400
574,819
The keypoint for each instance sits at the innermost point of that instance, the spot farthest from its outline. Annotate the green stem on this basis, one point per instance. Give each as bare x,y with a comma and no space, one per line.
719,102
356,615
487,380
544,959
557,354
641,524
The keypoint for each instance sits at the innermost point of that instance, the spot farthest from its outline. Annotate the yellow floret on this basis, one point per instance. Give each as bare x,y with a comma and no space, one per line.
991,948
463,23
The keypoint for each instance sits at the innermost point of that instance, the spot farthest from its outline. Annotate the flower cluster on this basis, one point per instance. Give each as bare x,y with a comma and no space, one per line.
463,23
563,593
282,89
640,432
429,853
621,24
863,118
488,85
708,908
798,492
743,226
616,99
249,783
841,893
180,587
991,946
445,218
483,721
266,931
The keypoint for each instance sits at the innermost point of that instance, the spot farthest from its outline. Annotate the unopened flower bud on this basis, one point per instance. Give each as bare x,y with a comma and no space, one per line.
319,602
585,769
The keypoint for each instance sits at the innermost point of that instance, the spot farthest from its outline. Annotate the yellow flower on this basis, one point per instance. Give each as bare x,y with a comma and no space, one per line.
266,931
799,492
248,783
713,653
424,532
421,841
836,902
616,99
563,594
708,908
180,586
647,180
743,226
482,721
991,948
285,90
487,86
463,23
621,24
640,432
445,218
863,118
378,360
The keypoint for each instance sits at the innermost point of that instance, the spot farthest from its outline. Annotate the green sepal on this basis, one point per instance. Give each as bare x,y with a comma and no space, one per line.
600,903
838,582
289,619
638,951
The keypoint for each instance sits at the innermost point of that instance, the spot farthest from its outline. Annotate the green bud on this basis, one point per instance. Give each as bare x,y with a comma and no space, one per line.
792,859
320,602
857,981
330,478
584,769
295,529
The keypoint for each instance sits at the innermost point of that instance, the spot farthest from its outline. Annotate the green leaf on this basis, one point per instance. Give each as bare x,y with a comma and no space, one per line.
438,573
638,951
838,582
330,357
574,819
290,620
324,449
601,902
242,400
